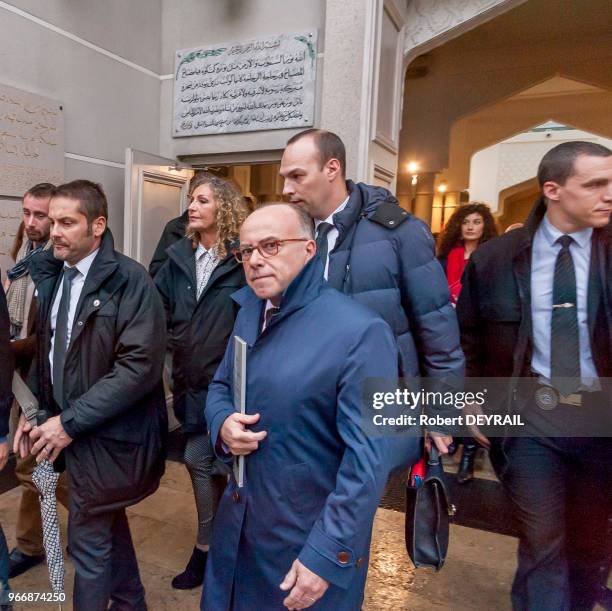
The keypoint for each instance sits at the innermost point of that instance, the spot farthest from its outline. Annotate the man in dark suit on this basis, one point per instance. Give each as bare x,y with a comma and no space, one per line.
99,368
536,308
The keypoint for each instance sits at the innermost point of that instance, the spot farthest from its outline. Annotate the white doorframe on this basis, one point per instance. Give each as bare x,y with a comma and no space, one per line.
140,168
146,175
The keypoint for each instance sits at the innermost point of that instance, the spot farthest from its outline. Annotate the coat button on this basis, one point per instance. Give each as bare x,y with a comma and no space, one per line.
236,496
80,323
359,562
96,303
343,557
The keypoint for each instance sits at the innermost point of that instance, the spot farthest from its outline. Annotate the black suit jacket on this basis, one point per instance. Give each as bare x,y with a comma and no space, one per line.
494,307
494,312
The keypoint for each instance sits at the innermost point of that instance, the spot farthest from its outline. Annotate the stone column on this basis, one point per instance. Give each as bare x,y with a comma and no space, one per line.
346,28
425,196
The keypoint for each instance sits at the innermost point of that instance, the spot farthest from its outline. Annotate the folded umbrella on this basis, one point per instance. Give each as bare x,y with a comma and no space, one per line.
45,479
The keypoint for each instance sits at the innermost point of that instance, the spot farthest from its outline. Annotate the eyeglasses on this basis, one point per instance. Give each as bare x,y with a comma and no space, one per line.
266,248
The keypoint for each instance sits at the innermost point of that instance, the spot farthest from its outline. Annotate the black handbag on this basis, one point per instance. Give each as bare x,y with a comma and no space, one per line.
428,513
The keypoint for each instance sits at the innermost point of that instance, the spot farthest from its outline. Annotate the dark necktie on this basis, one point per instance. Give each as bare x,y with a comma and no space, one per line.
60,343
269,314
564,339
322,230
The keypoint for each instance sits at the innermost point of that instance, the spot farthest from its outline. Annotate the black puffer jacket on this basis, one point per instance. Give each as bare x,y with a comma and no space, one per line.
199,329
384,259
114,405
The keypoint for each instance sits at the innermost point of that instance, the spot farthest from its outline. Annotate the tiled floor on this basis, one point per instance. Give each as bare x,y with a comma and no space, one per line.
477,574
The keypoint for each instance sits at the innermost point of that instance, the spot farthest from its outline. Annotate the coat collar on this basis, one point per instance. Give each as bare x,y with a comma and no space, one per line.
304,288
601,235
46,271
45,266
363,201
182,253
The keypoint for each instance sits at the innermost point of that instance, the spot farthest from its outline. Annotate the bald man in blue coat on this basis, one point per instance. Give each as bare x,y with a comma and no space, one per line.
297,534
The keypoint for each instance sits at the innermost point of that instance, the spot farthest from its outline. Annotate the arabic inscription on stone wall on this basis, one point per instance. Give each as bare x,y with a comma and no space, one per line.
31,141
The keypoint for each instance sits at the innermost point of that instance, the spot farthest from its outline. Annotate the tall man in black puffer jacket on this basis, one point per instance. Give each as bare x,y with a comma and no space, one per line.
101,343
378,254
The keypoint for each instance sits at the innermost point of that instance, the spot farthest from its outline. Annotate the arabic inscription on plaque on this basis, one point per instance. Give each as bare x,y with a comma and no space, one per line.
261,84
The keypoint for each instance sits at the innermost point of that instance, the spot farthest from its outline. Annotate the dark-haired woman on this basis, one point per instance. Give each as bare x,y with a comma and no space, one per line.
470,226
196,283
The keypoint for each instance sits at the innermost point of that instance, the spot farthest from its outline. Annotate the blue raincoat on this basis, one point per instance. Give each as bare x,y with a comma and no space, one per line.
313,485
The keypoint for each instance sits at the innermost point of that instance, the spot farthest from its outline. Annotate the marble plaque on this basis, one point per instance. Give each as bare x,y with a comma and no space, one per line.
268,83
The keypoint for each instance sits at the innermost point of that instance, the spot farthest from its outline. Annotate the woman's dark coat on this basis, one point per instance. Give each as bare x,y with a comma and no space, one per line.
199,328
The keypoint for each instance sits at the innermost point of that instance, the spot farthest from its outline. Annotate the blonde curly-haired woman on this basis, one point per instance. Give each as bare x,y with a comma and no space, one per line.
196,283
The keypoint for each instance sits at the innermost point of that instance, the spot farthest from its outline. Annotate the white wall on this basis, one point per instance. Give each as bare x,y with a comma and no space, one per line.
110,103
192,23
516,160
484,176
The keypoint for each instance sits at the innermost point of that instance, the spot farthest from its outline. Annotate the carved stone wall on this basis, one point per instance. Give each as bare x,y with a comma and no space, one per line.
430,19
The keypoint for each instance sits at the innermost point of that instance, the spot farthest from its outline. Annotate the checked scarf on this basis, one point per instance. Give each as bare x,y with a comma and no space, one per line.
20,277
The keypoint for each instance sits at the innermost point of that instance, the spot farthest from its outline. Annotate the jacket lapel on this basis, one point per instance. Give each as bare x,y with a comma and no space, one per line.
522,274
183,255
96,290
596,282
521,267
304,288
346,222
599,314
223,268
47,290
250,313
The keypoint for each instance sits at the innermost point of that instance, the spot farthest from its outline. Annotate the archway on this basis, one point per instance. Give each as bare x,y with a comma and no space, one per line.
516,202
503,174
559,100
476,89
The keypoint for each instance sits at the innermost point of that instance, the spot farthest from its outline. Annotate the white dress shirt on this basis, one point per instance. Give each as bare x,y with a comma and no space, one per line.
76,288
543,259
333,233
205,262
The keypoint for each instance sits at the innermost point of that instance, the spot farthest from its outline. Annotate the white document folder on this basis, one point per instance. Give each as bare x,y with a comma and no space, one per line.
240,354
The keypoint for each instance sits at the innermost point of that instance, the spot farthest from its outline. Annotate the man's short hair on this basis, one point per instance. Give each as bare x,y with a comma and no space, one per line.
40,191
558,164
90,195
305,220
328,144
